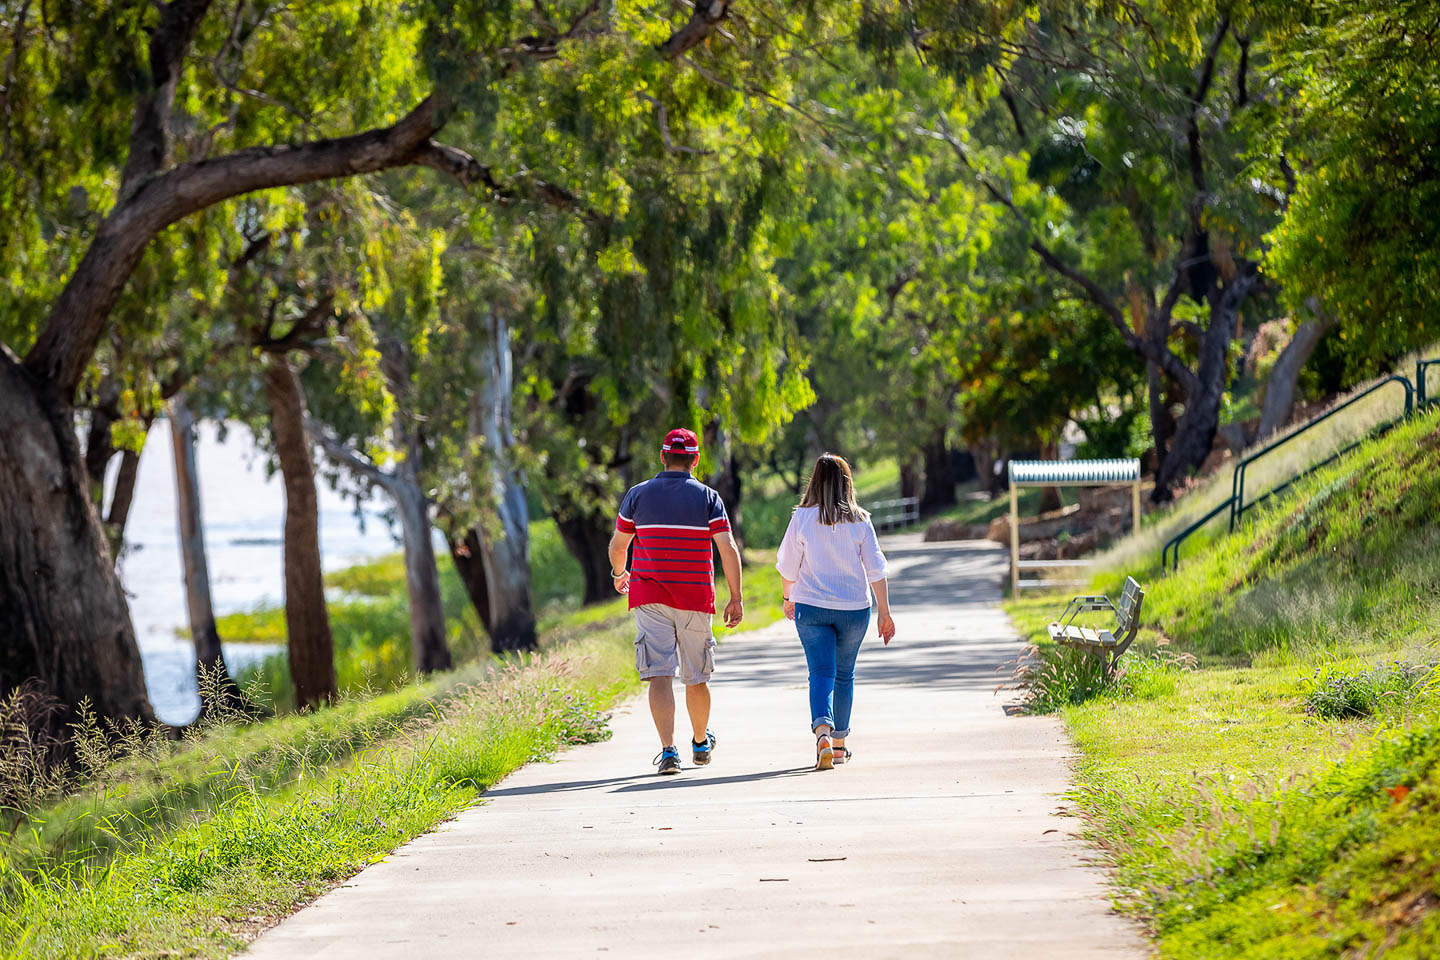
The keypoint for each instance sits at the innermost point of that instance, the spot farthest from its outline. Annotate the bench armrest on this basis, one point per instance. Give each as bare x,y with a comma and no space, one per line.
1084,605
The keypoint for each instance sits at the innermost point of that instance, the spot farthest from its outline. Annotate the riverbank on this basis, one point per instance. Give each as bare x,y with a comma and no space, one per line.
1265,780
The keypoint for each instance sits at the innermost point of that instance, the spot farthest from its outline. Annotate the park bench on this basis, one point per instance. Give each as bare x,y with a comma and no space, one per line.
1106,644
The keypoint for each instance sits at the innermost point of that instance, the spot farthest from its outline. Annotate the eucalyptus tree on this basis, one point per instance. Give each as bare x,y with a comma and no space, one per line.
1124,153
1354,144
161,111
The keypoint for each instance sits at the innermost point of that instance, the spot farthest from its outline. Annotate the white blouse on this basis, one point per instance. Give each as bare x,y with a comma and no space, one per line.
831,566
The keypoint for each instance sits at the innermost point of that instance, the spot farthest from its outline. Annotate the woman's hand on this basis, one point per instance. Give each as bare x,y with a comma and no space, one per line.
886,625
789,609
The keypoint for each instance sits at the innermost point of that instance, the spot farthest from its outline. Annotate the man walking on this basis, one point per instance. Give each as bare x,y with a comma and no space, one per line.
673,519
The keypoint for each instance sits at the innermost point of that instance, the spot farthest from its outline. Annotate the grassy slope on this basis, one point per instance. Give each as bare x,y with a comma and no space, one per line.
1240,825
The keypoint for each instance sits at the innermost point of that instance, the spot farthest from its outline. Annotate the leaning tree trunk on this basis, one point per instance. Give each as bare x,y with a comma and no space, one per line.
1195,430
505,558
307,621
121,500
1280,387
939,478
211,674
63,616
422,577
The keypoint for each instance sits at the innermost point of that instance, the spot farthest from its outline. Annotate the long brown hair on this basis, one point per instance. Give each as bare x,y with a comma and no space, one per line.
832,489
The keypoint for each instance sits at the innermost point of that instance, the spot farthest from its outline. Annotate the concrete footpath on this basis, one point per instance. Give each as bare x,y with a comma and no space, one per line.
940,839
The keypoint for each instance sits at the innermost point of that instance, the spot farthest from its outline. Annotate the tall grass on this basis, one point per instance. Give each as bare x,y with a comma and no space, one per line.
282,816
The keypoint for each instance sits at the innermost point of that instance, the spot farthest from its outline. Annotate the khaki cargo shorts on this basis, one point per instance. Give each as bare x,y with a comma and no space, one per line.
672,642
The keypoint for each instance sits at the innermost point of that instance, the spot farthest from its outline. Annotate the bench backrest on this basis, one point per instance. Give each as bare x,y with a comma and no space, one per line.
1127,611
1127,616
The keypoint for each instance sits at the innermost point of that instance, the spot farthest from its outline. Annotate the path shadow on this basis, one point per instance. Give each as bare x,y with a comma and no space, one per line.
670,783
640,782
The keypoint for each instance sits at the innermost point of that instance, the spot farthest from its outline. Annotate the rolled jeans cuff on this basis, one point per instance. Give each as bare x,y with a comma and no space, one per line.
819,720
842,734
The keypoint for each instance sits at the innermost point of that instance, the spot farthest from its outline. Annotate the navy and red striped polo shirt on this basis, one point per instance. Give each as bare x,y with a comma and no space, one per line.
673,516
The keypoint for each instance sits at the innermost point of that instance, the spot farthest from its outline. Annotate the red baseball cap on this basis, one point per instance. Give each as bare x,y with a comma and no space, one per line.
681,441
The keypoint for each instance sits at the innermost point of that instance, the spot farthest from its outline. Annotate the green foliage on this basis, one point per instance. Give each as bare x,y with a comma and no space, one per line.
1333,692
1359,233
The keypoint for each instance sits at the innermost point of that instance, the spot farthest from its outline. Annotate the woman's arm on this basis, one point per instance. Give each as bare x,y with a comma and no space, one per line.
885,624
787,561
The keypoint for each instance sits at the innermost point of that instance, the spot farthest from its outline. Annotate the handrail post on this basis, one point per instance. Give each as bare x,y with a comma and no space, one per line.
1420,383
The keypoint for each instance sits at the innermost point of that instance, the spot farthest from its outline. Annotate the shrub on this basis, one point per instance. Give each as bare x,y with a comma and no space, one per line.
1333,693
1054,677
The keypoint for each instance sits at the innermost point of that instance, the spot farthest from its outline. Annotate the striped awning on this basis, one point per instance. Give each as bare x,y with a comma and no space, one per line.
1059,473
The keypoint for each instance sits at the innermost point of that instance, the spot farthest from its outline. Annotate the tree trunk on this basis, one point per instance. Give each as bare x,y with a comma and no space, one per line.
99,451
1280,387
422,577
587,535
99,442
506,562
121,500
1162,424
986,456
63,616
505,557
726,482
470,565
909,480
210,671
1195,431
307,621
1050,496
939,480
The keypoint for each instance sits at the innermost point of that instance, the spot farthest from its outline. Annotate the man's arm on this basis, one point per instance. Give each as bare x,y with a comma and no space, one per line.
730,561
619,547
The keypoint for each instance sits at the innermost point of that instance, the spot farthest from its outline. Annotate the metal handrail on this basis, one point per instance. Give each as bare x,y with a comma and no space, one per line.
1235,503
1422,397
1237,479
1175,540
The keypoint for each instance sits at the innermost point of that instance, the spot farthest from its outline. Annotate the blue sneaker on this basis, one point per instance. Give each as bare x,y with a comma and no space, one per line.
700,752
668,761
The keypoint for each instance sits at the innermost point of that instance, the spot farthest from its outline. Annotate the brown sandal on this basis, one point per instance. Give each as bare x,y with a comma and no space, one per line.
824,752
842,755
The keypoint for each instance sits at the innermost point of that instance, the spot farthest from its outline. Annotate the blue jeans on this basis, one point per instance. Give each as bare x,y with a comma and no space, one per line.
831,639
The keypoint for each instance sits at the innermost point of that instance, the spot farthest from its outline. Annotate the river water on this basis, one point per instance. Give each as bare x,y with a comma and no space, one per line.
244,515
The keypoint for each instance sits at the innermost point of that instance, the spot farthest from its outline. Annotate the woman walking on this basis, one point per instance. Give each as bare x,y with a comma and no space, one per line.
829,562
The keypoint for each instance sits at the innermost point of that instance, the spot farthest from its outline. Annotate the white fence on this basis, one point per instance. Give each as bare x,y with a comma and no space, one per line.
894,514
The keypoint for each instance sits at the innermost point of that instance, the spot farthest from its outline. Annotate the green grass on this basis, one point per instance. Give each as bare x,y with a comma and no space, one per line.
187,853
1246,811
189,847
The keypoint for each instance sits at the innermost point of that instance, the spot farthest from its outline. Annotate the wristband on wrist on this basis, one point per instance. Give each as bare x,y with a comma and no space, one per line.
617,576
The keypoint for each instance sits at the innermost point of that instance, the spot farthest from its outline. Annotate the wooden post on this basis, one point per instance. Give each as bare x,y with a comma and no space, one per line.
1135,498
1014,540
